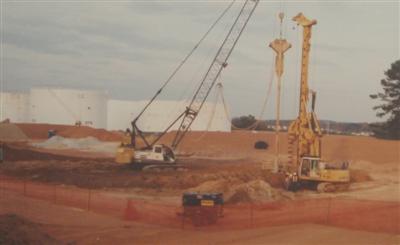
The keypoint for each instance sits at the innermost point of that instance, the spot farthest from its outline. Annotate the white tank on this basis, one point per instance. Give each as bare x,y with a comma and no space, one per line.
160,114
14,106
68,106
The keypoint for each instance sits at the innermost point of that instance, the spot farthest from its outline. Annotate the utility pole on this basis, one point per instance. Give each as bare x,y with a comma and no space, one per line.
280,46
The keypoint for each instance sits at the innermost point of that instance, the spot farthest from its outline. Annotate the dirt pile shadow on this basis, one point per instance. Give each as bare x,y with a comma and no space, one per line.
17,230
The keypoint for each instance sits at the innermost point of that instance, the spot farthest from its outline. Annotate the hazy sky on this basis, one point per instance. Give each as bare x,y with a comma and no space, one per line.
130,47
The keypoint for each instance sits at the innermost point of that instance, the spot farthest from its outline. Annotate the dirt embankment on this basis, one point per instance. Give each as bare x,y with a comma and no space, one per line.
103,174
13,152
17,230
40,131
11,132
241,143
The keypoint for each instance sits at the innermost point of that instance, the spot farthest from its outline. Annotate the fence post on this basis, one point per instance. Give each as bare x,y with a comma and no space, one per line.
89,199
55,194
183,219
1,186
24,187
251,215
329,210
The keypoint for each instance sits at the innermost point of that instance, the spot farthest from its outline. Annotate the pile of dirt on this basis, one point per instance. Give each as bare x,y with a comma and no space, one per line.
236,191
19,153
83,132
40,131
17,230
241,143
10,132
358,175
82,144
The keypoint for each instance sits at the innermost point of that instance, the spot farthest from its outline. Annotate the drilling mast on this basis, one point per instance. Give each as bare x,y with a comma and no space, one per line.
304,133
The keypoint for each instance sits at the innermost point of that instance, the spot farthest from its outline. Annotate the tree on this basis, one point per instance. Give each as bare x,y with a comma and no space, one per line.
244,121
390,106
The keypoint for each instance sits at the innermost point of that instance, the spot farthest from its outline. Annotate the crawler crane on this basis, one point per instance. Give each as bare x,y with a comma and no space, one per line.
154,155
305,166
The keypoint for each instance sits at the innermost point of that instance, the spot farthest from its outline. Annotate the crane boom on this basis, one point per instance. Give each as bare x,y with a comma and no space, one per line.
219,62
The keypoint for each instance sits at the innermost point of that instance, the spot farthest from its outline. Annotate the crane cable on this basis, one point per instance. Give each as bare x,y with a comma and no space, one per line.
185,59
263,108
212,114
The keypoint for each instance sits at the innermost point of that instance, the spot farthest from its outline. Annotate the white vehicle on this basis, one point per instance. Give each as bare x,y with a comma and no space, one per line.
158,154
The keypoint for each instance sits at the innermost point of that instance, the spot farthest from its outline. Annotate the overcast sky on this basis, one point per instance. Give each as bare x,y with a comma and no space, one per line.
130,47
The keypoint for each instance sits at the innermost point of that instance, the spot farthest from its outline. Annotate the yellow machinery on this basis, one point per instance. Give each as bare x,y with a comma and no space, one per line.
305,165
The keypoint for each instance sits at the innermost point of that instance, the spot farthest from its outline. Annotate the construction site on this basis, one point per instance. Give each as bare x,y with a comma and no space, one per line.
112,171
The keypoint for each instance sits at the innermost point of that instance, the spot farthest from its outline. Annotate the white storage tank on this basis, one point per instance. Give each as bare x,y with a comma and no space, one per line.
160,114
14,106
68,106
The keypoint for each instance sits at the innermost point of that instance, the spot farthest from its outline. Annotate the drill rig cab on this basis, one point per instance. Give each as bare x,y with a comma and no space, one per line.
316,173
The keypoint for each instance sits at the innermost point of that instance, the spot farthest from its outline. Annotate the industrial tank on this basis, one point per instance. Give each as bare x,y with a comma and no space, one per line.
14,106
68,106
160,114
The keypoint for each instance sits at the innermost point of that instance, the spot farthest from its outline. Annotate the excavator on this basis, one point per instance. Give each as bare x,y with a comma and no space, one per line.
305,165
158,156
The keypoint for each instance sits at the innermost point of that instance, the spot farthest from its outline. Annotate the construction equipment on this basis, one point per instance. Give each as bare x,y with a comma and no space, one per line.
203,208
155,155
305,166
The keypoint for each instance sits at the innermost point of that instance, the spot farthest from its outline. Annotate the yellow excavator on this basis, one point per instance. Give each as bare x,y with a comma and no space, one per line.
305,165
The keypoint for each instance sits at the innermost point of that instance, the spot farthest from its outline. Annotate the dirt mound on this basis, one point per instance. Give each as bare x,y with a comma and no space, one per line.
358,175
253,191
40,131
17,230
83,132
10,132
241,144
18,153
236,191
83,144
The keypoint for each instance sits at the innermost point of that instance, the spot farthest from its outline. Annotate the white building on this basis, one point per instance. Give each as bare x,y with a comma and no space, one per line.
68,106
161,114
92,108
15,106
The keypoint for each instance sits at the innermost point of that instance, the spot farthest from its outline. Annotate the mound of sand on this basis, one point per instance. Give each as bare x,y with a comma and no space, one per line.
83,132
22,153
236,191
10,132
17,230
86,144
40,131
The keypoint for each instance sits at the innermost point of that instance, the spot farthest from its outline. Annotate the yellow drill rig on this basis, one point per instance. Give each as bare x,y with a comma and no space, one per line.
305,166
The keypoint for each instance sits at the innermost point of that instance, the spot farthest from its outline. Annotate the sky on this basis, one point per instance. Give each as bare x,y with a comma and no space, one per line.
129,48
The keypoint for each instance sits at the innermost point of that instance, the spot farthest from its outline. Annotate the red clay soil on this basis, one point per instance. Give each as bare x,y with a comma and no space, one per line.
334,147
40,131
16,152
17,230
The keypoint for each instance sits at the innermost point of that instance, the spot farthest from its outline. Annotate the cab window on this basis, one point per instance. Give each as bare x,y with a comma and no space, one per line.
157,150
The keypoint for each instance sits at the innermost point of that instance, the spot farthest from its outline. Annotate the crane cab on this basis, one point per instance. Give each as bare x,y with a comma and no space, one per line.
157,154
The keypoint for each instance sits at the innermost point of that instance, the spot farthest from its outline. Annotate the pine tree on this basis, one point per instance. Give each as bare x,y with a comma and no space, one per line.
390,106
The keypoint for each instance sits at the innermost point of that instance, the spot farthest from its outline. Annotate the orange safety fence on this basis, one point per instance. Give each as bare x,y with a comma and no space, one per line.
366,215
